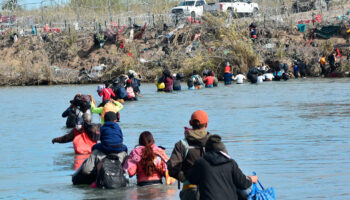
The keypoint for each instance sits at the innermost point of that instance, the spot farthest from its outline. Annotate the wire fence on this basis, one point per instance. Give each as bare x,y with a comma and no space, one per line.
94,15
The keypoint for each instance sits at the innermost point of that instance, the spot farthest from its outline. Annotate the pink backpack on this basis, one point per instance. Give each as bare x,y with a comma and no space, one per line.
130,92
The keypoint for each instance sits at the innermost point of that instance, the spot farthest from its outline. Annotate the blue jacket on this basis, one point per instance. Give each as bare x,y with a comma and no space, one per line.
111,139
121,93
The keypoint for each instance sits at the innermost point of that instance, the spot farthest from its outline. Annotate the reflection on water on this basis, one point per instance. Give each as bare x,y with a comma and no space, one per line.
294,134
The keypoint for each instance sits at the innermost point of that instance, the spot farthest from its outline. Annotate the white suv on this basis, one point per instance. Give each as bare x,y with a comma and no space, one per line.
193,8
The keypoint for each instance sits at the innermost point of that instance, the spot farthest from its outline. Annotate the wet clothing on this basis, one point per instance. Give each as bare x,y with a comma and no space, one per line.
296,71
71,117
228,78
133,167
121,93
197,81
260,79
106,94
269,77
179,162
111,139
87,172
218,177
168,81
177,84
302,69
209,81
239,78
216,82
135,83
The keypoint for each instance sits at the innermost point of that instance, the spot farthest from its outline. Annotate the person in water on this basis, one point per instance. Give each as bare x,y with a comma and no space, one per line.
111,143
197,80
217,175
187,151
168,80
135,82
71,116
106,93
131,94
147,161
190,84
209,80
106,106
177,81
228,74
239,78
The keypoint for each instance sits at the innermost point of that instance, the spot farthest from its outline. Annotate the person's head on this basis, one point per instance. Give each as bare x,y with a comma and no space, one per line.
103,103
215,144
100,88
146,140
199,120
110,117
128,82
195,72
166,73
107,84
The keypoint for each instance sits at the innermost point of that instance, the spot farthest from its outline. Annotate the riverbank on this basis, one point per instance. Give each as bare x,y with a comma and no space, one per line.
72,57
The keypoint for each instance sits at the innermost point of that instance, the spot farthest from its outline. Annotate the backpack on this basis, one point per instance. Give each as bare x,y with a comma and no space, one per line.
83,101
130,92
111,175
198,80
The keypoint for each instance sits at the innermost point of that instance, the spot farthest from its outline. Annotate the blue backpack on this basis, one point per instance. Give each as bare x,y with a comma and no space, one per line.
262,193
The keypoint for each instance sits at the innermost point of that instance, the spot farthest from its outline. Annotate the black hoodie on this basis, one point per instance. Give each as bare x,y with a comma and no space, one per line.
218,177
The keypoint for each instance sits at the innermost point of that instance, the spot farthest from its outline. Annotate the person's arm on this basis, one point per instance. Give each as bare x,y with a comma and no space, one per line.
101,93
240,180
174,164
130,164
64,139
234,77
118,105
244,78
94,109
66,112
195,173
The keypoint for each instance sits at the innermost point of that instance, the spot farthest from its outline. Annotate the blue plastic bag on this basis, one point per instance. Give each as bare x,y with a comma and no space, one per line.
262,193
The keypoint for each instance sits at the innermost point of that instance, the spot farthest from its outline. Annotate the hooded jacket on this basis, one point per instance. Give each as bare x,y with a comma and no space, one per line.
218,177
179,161
111,139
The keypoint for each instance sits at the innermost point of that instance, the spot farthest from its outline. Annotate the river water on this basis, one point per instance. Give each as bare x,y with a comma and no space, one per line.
294,134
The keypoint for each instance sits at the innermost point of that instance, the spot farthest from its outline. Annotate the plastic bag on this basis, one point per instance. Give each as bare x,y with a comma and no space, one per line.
262,193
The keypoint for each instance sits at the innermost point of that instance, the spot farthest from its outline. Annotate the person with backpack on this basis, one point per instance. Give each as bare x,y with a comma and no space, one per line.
106,106
84,134
131,95
187,151
217,175
71,116
135,82
168,80
197,80
111,144
147,161
106,93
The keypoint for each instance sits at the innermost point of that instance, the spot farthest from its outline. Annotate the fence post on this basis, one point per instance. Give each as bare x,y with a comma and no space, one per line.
153,20
130,21
65,25
106,24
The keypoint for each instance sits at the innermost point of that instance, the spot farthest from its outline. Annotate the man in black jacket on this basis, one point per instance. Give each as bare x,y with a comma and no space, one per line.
217,175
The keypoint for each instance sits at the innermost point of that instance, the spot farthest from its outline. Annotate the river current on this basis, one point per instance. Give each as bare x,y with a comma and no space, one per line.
295,135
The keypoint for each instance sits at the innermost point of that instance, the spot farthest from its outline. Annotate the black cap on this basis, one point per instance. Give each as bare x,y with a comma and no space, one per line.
110,116
214,144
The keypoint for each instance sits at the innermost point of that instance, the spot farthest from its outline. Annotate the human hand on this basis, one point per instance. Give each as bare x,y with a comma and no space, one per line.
54,140
254,179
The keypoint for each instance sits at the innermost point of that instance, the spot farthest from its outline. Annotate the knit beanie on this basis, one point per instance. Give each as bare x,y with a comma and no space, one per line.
214,144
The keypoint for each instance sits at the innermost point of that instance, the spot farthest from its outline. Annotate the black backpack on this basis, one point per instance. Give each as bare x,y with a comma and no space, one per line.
111,175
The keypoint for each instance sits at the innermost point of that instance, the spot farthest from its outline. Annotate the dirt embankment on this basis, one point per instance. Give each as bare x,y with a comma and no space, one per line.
75,58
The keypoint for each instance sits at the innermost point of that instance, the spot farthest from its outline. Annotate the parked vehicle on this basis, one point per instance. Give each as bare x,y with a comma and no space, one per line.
193,8
233,7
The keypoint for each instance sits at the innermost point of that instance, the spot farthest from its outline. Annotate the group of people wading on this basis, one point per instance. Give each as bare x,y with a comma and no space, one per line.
199,159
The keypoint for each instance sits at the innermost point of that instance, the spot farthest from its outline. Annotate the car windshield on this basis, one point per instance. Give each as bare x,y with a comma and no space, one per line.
186,3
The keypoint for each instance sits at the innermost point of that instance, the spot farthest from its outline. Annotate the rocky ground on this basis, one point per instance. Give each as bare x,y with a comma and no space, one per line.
73,57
